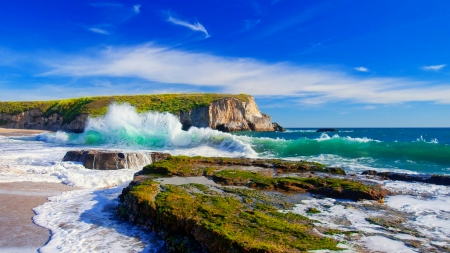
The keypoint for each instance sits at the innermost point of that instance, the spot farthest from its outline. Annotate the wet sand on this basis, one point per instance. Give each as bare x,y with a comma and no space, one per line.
18,233
19,132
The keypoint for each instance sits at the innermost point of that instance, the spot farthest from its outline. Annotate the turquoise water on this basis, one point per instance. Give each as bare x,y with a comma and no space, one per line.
423,150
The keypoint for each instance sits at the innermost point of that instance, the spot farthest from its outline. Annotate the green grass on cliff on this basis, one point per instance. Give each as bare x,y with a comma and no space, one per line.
97,106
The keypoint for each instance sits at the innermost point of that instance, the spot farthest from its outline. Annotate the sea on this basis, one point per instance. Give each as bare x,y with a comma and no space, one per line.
84,220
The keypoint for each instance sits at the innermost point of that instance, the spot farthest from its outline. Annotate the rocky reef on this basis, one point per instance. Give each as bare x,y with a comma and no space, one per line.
203,204
228,113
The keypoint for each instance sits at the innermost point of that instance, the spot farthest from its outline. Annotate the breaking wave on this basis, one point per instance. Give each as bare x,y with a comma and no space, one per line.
123,127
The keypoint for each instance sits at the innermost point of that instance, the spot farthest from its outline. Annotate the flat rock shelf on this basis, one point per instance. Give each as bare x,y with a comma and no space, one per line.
204,204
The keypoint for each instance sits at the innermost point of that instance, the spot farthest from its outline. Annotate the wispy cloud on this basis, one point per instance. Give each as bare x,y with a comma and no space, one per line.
249,24
137,8
361,69
193,26
309,85
434,67
369,107
98,30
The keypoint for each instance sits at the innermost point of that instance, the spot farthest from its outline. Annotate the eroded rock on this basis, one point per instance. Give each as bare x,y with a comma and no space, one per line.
112,160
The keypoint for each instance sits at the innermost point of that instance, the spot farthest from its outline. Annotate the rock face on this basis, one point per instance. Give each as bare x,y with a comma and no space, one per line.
228,115
278,128
110,160
33,119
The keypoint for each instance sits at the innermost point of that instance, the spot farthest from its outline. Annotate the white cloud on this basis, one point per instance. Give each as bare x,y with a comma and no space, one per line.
194,27
369,107
434,67
361,69
137,8
236,75
98,30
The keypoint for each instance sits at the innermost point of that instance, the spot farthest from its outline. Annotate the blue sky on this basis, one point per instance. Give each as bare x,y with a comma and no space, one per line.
308,63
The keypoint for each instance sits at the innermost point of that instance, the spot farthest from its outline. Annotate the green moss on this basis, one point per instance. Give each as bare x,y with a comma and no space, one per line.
3,122
339,232
97,106
222,171
228,224
313,210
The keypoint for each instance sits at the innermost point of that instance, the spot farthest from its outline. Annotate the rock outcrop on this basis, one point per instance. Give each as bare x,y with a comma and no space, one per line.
34,119
112,160
228,115
192,202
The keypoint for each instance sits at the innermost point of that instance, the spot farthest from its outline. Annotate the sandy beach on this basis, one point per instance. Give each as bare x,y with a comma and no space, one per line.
19,132
18,233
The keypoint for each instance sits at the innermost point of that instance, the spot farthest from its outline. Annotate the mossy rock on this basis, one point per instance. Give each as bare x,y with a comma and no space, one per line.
232,171
226,223
193,217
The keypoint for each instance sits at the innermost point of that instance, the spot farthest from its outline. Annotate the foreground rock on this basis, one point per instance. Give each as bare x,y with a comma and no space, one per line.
423,178
112,160
235,206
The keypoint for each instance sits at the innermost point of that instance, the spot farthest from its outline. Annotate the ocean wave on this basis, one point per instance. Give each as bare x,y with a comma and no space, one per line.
123,127
325,137
421,139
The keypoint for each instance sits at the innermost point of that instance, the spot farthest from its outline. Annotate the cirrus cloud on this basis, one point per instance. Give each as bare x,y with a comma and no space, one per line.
434,67
194,26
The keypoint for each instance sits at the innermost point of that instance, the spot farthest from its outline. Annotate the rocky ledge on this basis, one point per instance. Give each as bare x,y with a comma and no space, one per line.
200,204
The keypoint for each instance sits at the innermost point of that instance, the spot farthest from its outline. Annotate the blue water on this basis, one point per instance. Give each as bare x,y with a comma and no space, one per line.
422,150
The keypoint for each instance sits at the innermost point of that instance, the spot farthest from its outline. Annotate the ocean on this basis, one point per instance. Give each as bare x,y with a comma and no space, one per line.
85,219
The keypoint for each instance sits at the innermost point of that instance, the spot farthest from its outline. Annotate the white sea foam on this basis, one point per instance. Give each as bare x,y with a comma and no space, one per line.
326,137
383,244
421,139
85,221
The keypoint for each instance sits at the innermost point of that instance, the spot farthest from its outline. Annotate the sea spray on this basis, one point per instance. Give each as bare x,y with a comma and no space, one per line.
123,127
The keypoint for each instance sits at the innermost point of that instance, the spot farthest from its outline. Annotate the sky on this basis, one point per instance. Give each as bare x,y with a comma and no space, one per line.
344,63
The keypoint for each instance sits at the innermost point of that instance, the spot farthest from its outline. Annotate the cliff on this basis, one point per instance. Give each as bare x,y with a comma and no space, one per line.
228,115
223,112
34,119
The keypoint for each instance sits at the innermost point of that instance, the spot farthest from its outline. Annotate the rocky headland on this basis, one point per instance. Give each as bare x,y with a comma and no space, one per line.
227,113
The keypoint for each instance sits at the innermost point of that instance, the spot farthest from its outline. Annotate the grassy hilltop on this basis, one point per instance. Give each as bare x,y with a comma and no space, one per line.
97,106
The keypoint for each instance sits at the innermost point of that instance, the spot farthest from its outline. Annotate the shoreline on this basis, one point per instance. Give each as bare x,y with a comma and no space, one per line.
18,232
